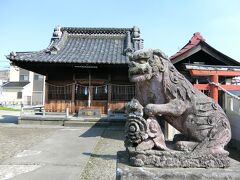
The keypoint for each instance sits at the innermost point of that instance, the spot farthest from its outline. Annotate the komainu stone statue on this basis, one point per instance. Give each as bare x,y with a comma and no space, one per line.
162,91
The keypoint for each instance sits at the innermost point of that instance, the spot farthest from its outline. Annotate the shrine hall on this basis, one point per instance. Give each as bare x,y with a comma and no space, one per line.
85,68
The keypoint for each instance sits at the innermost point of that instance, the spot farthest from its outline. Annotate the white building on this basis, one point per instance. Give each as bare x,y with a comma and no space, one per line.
4,76
24,88
232,108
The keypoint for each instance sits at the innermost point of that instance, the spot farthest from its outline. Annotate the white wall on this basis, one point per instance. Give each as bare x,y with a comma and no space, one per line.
14,73
232,108
27,92
9,97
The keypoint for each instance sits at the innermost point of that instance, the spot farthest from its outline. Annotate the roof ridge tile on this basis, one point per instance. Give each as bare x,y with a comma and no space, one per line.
194,41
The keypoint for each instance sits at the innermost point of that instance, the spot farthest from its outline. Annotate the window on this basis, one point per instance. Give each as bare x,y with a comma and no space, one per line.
123,92
19,95
24,78
59,92
38,77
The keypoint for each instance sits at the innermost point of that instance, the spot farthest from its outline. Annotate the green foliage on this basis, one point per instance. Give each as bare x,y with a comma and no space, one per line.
8,109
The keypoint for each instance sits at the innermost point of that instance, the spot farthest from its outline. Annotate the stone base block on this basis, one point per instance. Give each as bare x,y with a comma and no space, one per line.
126,172
173,158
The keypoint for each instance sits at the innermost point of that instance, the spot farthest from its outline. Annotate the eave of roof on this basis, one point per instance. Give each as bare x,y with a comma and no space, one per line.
15,84
219,55
197,43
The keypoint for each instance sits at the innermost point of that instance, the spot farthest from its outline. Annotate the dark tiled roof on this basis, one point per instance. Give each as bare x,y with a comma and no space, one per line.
16,84
86,45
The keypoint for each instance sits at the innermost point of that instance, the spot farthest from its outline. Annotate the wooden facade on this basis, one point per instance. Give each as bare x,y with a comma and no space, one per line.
95,88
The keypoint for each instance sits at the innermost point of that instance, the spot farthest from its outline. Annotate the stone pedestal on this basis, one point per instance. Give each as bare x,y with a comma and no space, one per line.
173,158
126,172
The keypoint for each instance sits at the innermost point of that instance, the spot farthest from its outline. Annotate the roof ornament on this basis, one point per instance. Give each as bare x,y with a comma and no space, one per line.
137,41
57,32
129,49
194,41
136,32
13,54
196,37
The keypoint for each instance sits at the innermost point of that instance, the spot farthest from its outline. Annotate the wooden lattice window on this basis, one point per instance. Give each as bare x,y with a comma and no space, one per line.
81,92
123,92
97,92
56,92
100,92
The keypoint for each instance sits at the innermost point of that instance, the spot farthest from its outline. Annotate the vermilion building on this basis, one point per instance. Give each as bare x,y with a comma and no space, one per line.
206,67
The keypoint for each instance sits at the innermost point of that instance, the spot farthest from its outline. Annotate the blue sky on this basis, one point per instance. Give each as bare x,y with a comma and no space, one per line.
165,24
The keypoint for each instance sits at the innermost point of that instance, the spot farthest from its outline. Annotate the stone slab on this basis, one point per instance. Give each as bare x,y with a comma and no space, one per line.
85,124
86,112
70,121
126,172
41,122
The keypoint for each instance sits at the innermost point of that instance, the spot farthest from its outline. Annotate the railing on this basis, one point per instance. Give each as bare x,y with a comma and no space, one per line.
122,92
59,92
33,110
40,110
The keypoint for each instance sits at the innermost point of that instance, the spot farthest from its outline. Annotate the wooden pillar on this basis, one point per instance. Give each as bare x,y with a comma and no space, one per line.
46,93
214,89
72,110
89,89
73,99
109,93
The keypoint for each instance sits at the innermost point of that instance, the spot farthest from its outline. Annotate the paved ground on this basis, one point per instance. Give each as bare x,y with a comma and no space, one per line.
56,152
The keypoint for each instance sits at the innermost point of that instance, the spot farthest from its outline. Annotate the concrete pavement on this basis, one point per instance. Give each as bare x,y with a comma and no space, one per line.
47,152
61,156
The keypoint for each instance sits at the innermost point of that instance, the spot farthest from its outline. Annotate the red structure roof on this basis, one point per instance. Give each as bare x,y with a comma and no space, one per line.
194,41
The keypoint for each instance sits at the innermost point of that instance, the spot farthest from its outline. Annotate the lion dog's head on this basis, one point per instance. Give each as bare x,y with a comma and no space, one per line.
145,63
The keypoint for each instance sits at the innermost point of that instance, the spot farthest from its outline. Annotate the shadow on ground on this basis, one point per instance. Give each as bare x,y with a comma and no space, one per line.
106,133
9,119
233,153
108,128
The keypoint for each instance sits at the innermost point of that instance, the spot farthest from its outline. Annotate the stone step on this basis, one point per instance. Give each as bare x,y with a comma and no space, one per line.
85,124
71,121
